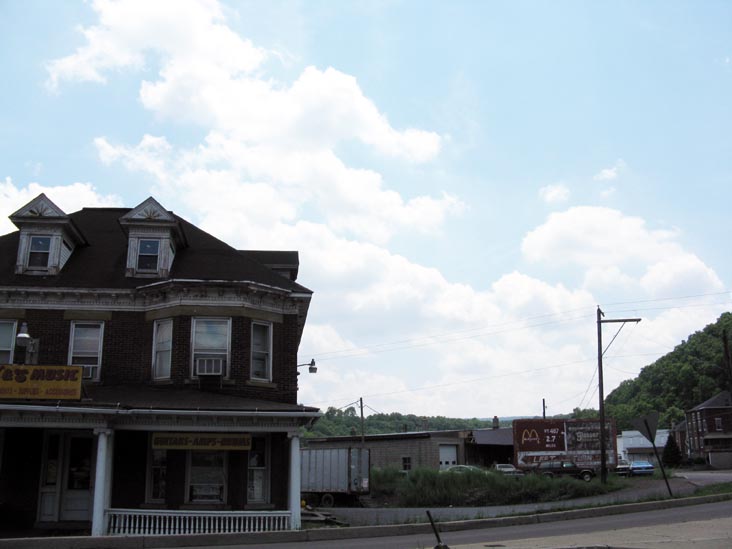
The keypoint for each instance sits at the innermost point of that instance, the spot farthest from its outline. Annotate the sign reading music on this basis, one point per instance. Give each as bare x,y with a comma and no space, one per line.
202,441
40,382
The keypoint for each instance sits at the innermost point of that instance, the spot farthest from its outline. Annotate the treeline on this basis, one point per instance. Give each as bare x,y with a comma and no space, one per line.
337,422
696,370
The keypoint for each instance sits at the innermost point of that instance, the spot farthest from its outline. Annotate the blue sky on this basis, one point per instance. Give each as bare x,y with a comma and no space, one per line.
465,181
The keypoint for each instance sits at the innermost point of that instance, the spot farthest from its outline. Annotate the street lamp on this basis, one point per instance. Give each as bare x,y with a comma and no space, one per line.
312,368
30,344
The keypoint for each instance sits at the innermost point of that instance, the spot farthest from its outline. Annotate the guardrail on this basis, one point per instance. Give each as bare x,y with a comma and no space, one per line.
135,522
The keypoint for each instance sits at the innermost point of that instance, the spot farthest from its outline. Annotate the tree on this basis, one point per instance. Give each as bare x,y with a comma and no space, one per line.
671,453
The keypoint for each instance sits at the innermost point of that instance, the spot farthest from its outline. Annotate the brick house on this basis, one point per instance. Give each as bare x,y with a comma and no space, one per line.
709,431
148,376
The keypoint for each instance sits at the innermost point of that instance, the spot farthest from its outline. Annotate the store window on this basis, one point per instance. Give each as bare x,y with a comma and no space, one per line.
157,472
206,477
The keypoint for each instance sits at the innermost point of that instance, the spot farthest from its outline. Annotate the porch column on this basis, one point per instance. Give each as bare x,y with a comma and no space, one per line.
100,482
295,481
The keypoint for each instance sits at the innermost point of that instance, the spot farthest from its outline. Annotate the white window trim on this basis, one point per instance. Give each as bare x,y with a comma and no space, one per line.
269,352
155,349
148,475
187,498
194,320
157,255
13,332
98,367
51,242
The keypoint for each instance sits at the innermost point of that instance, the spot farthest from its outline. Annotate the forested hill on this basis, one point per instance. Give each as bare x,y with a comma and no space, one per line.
692,373
337,422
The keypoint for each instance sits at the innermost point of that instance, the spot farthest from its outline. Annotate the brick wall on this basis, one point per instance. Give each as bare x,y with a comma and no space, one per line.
127,351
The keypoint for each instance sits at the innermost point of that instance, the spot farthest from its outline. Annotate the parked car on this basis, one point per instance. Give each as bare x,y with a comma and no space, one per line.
564,468
622,469
508,469
638,468
461,469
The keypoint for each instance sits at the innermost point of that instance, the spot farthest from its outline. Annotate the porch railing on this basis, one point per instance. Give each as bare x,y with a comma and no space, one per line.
140,522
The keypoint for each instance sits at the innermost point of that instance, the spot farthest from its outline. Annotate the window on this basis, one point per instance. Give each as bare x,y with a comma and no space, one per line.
7,341
210,346
718,424
206,477
147,255
86,347
162,348
406,463
156,473
257,477
40,249
261,351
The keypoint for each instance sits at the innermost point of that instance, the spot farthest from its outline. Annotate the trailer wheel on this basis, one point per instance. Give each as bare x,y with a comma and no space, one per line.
327,500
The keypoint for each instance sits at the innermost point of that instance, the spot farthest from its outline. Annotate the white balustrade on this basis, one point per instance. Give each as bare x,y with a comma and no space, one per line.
144,522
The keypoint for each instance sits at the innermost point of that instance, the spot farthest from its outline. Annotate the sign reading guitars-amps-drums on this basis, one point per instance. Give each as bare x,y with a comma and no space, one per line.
577,440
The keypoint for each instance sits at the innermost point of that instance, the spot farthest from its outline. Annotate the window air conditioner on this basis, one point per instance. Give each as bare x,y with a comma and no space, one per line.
209,366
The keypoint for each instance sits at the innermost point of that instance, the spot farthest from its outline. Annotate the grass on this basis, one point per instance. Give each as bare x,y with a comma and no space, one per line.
714,489
427,487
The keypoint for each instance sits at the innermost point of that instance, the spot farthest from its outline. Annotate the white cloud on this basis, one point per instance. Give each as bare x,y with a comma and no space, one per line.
612,173
554,194
69,198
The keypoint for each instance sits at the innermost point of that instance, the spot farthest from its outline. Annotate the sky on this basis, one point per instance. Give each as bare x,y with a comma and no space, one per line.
465,181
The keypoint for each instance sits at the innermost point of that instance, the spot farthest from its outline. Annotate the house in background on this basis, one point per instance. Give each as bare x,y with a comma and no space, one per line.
709,431
633,446
148,376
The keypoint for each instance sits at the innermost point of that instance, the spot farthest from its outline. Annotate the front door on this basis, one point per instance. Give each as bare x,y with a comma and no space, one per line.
65,487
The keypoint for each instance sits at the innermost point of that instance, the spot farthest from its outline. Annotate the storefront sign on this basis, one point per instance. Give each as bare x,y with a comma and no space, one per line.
202,441
40,382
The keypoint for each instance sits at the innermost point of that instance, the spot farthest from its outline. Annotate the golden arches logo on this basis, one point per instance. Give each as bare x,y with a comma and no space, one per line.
530,436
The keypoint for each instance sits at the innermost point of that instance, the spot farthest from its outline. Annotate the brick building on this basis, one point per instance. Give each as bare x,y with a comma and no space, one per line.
709,431
148,375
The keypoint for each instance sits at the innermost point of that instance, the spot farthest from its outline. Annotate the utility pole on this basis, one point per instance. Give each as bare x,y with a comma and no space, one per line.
363,437
600,353
543,408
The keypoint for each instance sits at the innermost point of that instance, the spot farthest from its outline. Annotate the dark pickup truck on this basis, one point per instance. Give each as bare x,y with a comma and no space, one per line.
564,468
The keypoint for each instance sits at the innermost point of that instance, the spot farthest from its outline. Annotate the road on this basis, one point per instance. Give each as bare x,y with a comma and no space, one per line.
701,526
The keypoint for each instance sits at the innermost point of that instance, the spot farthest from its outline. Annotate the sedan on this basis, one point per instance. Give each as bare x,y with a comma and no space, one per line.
638,468
508,469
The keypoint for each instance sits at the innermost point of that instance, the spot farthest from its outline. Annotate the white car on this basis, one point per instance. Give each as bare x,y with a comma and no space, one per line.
508,469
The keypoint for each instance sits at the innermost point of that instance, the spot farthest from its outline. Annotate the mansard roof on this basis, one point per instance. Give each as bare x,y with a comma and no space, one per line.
100,262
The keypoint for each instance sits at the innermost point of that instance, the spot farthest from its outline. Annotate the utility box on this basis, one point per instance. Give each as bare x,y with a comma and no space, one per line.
330,473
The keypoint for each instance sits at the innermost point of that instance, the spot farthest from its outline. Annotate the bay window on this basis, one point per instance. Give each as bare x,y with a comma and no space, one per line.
162,348
210,346
261,351
85,348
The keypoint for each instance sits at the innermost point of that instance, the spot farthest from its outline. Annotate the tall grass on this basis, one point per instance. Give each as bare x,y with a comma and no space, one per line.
427,487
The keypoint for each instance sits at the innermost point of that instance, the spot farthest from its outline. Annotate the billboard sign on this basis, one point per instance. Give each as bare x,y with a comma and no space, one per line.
577,440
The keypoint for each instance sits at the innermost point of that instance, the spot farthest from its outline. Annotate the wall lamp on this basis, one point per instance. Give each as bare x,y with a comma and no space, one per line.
30,344
312,368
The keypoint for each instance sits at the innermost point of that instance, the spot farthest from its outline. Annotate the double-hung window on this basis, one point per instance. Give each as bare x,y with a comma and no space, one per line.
7,341
211,346
261,351
258,471
40,251
162,348
148,254
86,347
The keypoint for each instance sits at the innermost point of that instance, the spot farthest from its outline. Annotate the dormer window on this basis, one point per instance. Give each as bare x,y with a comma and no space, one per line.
153,236
48,237
147,255
40,248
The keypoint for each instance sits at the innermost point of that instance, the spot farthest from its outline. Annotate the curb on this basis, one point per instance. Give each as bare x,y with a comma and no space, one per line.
325,534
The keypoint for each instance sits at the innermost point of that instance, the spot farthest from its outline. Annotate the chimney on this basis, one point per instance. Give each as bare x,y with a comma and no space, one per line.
496,423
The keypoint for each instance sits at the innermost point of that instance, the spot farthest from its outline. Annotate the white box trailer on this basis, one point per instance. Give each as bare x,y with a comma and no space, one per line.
330,473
